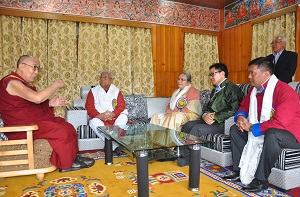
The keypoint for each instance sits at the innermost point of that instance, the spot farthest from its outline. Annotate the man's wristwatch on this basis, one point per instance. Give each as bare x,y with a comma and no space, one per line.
250,129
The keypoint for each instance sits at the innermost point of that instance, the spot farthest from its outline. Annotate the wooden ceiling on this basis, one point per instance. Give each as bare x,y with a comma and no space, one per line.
217,4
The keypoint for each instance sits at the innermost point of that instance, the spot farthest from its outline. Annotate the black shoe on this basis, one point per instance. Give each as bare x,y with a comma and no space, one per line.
88,161
77,165
232,178
118,151
256,186
183,161
167,159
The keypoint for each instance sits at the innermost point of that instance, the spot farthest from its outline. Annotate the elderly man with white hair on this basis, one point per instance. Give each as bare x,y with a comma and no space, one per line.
285,62
105,105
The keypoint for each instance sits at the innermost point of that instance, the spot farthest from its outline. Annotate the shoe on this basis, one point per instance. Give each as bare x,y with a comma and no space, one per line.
167,159
232,178
88,161
256,186
183,161
77,165
118,151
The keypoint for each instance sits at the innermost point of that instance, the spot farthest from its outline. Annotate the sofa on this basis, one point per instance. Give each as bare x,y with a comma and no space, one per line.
140,110
286,172
284,175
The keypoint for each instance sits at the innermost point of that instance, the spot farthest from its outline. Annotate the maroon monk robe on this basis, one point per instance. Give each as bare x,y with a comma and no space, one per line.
60,134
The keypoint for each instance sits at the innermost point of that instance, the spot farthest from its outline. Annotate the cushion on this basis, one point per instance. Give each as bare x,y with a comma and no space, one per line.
2,135
295,86
85,132
42,153
137,106
69,108
204,97
244,87
84,90
139,121
288,159
221,142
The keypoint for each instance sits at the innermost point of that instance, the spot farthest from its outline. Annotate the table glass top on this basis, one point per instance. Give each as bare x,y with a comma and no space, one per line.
137,137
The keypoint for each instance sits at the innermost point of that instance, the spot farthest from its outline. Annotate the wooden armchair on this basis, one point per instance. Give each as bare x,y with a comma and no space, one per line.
24,157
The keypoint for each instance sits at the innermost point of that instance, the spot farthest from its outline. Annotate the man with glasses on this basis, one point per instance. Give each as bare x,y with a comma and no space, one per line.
105,105
22,104
224,101
285,62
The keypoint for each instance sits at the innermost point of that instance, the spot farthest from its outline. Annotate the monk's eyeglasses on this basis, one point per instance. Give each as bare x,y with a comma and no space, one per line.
35,67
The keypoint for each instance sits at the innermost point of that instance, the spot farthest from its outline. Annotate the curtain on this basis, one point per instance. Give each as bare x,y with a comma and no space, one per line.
62,59
34,42
119,57
200,51
264,33
20,36
91,53
129,59
142,76
77,52
10,43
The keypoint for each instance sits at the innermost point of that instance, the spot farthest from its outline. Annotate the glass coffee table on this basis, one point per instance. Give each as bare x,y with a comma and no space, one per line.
146,142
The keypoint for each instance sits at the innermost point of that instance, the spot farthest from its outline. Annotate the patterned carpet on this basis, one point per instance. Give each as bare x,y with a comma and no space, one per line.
165,179
215,172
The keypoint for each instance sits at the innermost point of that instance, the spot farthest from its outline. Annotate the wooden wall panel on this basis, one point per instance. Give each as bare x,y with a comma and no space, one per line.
235,51
167,46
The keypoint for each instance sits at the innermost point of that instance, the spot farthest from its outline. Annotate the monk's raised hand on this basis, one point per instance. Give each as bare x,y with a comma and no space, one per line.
59,83
56,102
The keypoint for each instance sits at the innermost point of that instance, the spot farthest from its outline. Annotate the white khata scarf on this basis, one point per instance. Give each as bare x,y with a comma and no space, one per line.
252,151
176,95
104,100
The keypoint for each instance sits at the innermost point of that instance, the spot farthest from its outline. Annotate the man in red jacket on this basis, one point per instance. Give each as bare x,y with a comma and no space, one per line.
105,105
267,120
22,104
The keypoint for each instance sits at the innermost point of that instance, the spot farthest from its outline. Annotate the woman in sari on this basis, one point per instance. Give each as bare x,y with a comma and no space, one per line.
183,106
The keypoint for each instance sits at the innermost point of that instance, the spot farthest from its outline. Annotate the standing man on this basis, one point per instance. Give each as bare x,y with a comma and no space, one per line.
106,106
22,104
285,62
224,101
267,120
